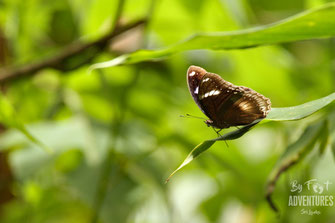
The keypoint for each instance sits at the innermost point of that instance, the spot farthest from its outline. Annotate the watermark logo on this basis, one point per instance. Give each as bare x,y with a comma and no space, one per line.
317,196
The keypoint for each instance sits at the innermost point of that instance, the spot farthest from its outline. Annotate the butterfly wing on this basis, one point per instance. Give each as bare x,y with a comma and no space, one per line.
194,77
229,105
250,107
215,94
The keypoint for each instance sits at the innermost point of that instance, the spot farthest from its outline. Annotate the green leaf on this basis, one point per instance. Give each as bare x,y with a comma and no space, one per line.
310,24
9,118
293,154
333,147
300,148
331,118
324,137
193,154
202,147
276,114
300,111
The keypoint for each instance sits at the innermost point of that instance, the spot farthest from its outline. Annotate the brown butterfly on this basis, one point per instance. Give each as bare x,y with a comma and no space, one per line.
222,102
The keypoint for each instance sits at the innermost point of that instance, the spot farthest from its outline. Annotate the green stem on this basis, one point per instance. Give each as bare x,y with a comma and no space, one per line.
117,120
106,168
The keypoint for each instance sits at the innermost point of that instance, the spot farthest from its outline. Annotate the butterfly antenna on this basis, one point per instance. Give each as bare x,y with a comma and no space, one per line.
191,116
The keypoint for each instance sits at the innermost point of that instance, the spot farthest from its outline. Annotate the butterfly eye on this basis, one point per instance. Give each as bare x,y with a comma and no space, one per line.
209,123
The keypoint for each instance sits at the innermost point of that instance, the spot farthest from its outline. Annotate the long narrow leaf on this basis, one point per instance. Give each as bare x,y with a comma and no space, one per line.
202,147
276,114
293,154
300,111
311,24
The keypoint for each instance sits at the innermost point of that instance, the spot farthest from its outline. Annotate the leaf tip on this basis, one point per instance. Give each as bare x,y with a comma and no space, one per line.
167,180
171,175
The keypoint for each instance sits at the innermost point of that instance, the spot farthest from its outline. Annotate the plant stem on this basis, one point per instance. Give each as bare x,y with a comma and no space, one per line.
117,121
115,131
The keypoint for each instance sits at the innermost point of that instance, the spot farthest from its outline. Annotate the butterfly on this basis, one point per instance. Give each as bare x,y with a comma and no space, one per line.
224,103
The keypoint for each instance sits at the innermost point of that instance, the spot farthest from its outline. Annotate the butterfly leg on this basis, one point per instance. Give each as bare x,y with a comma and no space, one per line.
226,143
217,131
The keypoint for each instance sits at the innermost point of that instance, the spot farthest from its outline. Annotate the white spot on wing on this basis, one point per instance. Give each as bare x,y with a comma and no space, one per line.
216,92
206,79
196,91
192,73
211,93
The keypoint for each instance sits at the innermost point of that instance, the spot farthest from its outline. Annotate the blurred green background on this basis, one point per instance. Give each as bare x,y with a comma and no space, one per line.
117,133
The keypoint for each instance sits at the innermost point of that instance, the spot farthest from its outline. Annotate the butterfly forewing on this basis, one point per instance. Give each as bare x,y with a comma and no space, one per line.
213,95
224,103
194,77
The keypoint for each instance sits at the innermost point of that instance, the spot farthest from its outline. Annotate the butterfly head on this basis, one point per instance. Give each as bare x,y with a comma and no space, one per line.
209,123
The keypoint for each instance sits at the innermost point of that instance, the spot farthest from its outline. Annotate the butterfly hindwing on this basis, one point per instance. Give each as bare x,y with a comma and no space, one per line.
248,108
